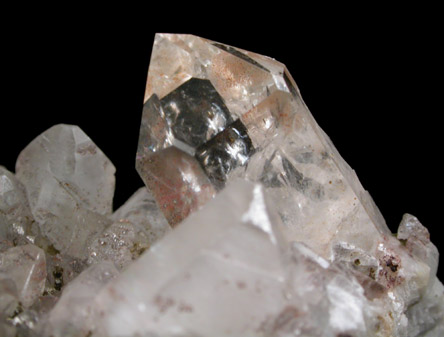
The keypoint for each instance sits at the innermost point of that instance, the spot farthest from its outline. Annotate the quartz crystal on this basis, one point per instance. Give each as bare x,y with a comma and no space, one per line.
70,186
72,311
250,224
26,266
17,225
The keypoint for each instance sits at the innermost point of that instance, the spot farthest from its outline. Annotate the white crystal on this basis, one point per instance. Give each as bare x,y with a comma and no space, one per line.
121,243
9,300
203,276
72,314
26,266
141,210
70,186
16,221
227,271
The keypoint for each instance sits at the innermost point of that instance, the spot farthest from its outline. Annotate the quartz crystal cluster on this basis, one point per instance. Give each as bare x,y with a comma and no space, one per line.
250,225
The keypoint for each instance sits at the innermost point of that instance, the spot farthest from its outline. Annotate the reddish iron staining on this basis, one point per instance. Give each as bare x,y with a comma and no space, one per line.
177,197
388,275
184,307
241,284
284,321
90,149
115,294
163,303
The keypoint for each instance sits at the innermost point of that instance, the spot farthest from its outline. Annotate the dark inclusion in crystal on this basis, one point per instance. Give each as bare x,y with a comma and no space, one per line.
196,112
296,179
291,176
229,149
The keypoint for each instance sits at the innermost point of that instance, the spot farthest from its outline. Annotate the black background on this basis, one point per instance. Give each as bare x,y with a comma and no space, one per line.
373,84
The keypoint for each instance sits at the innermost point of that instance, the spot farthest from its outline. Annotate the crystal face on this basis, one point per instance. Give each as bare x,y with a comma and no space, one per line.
250,224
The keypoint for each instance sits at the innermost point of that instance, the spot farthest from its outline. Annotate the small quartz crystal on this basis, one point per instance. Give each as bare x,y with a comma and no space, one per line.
26,266
70,186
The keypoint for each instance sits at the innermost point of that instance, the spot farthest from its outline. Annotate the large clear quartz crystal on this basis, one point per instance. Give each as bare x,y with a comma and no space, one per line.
230,114
214,113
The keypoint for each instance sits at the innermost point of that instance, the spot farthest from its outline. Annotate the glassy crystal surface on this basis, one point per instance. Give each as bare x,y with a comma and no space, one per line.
70,186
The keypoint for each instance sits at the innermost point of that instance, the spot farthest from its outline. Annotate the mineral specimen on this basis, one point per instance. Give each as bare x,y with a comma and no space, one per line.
251,224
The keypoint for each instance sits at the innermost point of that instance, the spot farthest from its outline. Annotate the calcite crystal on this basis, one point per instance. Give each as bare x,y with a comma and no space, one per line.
251,224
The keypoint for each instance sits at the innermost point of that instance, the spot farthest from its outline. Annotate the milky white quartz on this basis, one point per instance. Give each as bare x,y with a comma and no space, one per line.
26,267
70,186
16,222
73,310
